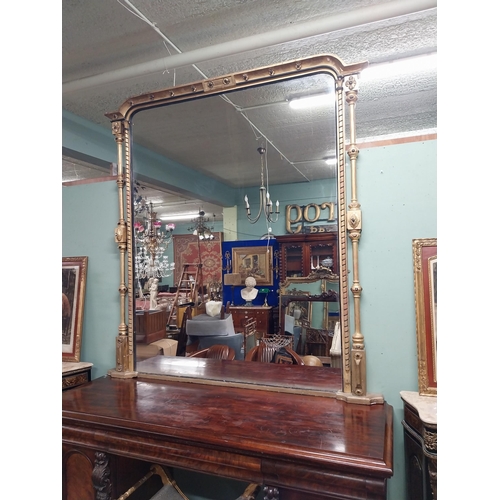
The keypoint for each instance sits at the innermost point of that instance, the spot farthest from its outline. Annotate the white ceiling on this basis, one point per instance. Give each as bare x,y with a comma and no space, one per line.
116,49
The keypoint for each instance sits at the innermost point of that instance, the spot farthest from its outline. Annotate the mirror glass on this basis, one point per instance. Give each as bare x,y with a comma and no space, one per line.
309,307
218,136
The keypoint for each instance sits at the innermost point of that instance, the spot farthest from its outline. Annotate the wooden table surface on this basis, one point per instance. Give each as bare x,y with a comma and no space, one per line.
307,443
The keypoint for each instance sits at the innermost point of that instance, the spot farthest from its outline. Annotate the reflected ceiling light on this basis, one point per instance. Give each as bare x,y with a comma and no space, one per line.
311,101
151,242
400,67
331,161
183,216
200,229
265,202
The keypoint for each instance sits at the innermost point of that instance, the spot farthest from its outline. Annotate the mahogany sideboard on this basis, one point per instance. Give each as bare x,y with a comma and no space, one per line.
298,446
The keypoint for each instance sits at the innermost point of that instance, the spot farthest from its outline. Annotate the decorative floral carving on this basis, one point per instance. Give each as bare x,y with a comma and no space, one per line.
351,83
430,440
100,476
74,381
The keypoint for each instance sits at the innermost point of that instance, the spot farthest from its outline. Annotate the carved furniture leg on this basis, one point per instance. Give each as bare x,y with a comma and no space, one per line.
100,476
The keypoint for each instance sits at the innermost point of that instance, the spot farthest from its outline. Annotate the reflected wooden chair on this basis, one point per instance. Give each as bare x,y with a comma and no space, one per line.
312,360
216,351
249,333
265,353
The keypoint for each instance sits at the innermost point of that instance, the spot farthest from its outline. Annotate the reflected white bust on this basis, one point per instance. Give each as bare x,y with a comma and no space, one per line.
249,292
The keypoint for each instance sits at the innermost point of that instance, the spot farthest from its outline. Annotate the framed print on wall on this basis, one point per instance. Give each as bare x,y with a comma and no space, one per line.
74,278
425,284
254,261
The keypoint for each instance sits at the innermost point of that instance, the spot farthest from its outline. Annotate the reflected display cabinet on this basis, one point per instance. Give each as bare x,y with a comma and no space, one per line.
301,253
263,316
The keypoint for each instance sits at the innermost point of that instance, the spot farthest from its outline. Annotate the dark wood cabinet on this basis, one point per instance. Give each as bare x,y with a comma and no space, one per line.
420,442
263,316
150,326
75,374
300,253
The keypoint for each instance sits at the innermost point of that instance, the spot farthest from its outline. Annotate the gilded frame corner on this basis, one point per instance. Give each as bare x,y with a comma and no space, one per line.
74,280
425,287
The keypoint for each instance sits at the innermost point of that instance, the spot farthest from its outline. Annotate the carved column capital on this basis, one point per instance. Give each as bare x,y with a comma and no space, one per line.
117,129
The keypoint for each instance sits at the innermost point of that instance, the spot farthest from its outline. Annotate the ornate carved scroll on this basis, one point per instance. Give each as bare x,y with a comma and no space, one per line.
100,476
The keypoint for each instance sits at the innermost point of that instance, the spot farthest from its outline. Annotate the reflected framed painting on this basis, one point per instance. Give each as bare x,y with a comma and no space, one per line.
74,279
425,285
255,262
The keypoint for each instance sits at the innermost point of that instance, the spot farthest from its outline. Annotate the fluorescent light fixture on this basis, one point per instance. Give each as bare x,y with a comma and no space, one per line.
183,216
398,67
311,101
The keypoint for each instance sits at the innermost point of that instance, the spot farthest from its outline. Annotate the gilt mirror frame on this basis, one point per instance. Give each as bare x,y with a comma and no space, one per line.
349,217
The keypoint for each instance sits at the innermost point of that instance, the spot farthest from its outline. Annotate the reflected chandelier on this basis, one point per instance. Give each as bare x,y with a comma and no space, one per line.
151,243
200,229
266,204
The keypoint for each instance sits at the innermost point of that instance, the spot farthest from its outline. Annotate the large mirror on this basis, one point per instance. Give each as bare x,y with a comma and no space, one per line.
225,120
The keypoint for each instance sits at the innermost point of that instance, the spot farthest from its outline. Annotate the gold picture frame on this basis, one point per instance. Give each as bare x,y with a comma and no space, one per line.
255,262
74,279
425,284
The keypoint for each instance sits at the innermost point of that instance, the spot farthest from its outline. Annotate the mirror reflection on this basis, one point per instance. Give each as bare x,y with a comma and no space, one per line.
309,309
262,160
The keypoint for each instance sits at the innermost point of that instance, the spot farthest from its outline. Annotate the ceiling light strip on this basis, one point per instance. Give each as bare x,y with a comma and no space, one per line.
291,33
139,14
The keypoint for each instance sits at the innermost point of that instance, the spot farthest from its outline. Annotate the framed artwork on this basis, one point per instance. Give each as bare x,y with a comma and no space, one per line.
425,283
254,261
74,278
189,249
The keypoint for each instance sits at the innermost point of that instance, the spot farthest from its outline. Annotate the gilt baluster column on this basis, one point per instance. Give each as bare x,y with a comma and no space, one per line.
358,365
124,347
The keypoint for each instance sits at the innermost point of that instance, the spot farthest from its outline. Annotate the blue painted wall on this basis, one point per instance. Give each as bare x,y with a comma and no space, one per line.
89,216
397,190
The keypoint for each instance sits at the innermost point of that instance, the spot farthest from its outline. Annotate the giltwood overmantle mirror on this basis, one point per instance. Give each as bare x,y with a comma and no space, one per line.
344,91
